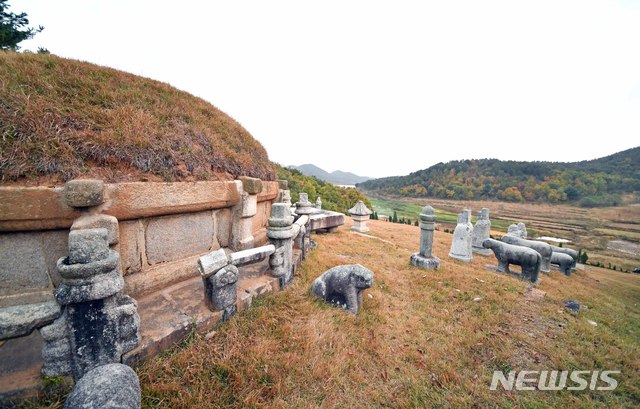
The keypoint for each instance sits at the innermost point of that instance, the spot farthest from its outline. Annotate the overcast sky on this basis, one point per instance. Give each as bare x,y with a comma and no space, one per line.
380,88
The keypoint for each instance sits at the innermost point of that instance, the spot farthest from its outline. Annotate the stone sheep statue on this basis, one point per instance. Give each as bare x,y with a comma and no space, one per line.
563,261
343,286
571,252
529,259
541,247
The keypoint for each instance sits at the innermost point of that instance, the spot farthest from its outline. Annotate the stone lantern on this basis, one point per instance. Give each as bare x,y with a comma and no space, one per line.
360,214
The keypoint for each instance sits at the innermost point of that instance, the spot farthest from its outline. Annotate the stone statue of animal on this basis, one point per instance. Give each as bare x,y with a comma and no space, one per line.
541,247
529,259
565,250
343,286
563,261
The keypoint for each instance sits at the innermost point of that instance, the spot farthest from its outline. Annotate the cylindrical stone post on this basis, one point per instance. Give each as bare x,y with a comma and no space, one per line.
425,257
280,232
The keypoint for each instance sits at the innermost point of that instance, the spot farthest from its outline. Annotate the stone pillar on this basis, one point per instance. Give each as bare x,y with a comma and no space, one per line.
285,193
303,205
481,232
319,203
97,325
304,208
462,236
220,283
280,233
425,258
360,214
242,227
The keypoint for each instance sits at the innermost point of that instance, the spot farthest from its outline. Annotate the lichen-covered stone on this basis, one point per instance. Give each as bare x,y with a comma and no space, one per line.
221,288
98,324
563,261
20,320
210,264
571,252
87,246
425,258
112,386
253,186
99,221
541,247
529,259
281,233
343,286
84,193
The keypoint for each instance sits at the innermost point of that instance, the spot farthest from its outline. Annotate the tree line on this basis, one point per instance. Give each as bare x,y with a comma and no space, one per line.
337,199
591,183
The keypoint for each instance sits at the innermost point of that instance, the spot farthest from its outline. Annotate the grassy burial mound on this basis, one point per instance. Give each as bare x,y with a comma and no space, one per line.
61,119
424,338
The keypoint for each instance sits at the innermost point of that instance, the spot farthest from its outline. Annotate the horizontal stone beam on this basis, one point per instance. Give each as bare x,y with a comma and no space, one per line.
269,191
249,256
44,208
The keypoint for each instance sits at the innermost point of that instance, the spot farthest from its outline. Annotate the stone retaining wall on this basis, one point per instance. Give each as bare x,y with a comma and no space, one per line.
159,230
162,228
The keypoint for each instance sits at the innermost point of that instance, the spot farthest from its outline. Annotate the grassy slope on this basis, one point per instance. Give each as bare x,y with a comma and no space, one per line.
62,118
420,341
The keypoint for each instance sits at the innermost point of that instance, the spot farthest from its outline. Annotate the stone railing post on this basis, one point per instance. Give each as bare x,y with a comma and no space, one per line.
242,230
220,283
304,208
280,233
97,325
425,257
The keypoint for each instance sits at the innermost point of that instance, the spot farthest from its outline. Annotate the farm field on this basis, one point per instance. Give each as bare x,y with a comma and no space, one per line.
609,235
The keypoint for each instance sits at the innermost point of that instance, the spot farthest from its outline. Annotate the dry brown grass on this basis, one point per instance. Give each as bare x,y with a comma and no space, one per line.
61,119
420,340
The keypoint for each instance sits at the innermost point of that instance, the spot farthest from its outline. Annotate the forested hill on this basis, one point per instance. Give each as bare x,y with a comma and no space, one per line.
599,182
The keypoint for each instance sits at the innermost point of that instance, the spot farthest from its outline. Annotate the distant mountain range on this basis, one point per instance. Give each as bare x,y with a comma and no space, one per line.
598,182
337,177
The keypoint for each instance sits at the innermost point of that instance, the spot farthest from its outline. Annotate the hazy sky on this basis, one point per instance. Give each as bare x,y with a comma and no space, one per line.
380,88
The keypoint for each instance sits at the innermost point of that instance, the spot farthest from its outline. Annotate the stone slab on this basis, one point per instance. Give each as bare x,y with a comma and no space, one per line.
269,192
162,325
249,205
169,238
223,223
167,316
84,193
249,256
162,275
131,246
128,201
22,263
20,366
20,320
34,208
253,186
326,220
